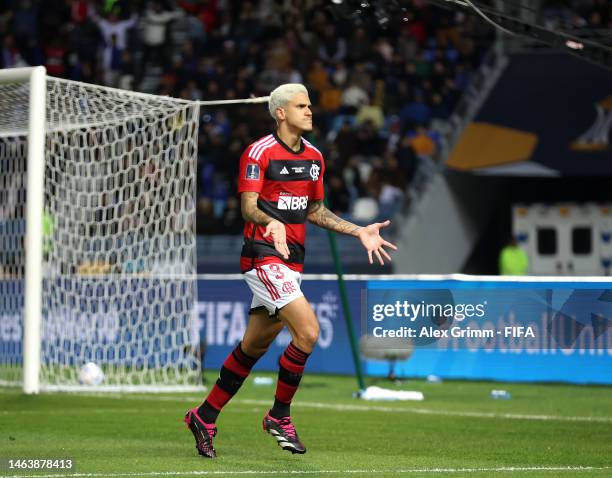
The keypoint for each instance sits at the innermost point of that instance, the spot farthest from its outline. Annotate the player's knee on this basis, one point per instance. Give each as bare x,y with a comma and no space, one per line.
307,338
312,337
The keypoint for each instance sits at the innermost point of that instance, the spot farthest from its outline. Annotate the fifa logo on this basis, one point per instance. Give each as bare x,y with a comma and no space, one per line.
596,137
314,171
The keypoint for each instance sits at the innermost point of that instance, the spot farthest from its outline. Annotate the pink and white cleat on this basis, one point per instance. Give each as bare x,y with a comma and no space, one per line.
202,432
284,432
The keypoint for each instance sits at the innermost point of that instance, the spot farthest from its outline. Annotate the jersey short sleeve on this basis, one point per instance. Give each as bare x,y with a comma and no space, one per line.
251,172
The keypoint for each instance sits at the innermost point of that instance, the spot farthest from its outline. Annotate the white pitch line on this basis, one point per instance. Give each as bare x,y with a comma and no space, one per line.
376,408
428,411
502,469
104,411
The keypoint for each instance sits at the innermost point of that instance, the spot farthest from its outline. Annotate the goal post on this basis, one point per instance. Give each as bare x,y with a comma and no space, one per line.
35,77
97,236
33,245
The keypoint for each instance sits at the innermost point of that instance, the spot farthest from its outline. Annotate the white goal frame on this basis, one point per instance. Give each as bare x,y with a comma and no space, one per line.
36,77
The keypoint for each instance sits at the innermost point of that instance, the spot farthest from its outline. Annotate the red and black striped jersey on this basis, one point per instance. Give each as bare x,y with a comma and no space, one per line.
287,182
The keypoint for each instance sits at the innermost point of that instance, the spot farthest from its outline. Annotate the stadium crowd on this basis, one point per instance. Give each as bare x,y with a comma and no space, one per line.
375,91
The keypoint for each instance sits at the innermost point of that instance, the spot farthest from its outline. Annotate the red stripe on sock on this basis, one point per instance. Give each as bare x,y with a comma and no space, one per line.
232,364
285,392
295,359
294,356
297,352
291,366
218,397
244,358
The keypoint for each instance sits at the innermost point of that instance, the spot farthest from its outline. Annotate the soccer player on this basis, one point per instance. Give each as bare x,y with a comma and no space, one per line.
281,187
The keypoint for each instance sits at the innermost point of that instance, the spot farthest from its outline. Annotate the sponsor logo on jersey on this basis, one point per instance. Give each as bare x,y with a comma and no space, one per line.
288,202
284,170
298,170
314,171
252,171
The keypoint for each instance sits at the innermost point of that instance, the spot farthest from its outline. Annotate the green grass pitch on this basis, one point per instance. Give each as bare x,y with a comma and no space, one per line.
458,431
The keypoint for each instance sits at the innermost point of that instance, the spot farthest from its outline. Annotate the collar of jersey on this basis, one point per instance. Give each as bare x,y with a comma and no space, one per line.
284,145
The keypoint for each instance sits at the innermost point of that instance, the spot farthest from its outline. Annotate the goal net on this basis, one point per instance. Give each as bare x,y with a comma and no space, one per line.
118,240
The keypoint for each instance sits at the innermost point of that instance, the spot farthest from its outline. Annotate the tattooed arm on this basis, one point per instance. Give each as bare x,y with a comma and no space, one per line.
369,235
319,215
251,213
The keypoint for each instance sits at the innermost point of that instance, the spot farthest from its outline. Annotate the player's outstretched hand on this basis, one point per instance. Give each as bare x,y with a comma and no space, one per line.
277,230
373,242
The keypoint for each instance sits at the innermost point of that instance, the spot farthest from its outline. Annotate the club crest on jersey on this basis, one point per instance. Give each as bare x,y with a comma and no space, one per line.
314,171
252,171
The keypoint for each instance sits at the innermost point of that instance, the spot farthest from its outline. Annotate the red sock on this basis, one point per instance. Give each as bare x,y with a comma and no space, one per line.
235,369
290,372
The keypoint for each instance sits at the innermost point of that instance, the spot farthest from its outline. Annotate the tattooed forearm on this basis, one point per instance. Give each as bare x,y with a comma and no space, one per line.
250,211
319,215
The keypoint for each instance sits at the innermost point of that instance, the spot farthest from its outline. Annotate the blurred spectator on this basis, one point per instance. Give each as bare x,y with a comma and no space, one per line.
55,54
361,45
337,195
114,35
126,72
9,54
113,26
206,222
231,222
353,98
79,10
369,142
330,99
340,74
317,76
407,160
332,47
372,113
154,35
25,21
422,143
345,141
417,112
205,10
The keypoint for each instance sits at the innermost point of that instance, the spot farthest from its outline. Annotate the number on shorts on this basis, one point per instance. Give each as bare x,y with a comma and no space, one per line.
275,268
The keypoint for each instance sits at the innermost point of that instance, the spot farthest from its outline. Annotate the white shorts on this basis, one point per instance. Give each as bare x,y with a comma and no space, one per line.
273,286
